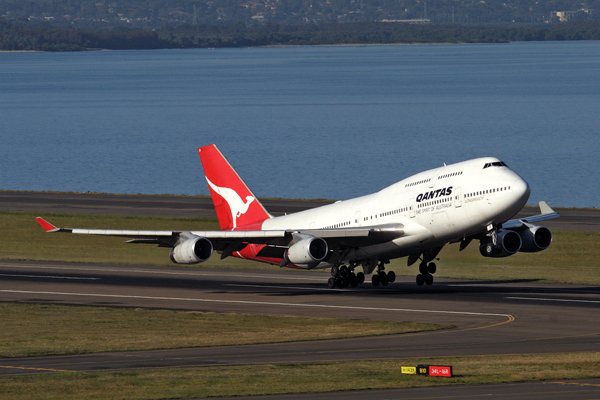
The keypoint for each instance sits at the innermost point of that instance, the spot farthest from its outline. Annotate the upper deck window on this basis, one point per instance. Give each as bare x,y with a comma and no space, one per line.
495,164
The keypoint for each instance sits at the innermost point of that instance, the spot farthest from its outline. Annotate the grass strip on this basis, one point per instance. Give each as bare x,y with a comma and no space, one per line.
297,378
573,257
38,330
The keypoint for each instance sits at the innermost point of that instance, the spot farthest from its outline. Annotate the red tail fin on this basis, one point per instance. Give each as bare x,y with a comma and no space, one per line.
235,204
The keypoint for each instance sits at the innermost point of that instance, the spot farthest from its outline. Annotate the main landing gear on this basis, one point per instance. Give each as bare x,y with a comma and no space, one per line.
426,268
426,273
381,277
344,276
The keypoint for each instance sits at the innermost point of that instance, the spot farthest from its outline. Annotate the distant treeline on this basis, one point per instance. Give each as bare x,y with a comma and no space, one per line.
22,35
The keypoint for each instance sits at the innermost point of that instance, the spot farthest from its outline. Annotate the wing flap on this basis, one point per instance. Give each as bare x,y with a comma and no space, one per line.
123,233
233,235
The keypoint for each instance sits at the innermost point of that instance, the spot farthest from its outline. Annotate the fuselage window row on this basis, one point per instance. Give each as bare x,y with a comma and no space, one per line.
450,175
430,203
487,191
388,213
417,183
341,225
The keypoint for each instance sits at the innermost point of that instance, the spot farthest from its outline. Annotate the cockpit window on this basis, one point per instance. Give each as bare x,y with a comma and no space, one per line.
495,164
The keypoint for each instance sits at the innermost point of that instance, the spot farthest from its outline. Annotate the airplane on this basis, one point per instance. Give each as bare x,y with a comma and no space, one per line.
414,218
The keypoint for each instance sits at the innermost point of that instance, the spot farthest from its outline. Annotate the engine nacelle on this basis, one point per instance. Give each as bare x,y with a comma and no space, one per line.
309,251
507,244
194,250
536,238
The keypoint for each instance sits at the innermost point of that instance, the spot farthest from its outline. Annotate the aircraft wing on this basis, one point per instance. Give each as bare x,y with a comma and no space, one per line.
546,213
349,236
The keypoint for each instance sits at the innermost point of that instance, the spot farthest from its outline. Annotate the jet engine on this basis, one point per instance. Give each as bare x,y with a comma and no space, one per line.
193,250
507,244
535,238
308,251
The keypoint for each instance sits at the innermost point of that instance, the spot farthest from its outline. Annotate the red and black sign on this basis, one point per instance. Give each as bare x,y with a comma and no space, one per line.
435,370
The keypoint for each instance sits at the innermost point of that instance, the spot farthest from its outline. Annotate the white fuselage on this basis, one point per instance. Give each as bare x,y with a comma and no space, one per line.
435,207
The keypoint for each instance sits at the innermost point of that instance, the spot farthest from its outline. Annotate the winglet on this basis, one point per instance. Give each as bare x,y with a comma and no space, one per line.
48,227
545,208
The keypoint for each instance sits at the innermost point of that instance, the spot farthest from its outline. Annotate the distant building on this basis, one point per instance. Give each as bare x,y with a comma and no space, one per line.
565,16
408,21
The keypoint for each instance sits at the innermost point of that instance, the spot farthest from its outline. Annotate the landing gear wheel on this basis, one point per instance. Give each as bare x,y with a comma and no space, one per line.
331,283
344,271
335,271
375,280
342,282
423,268
431,268
391,276
428,279
353,280
383,278
361,277
420,280
487,249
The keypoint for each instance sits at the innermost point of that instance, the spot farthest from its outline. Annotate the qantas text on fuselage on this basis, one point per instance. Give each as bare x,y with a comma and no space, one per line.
414,218
434,194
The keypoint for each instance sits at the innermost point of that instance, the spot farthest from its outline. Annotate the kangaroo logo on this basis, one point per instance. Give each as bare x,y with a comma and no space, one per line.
237,206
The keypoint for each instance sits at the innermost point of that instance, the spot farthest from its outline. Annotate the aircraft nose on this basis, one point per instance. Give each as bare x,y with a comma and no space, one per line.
521,190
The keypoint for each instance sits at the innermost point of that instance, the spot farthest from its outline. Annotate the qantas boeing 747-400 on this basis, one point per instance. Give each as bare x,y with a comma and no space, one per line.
413,218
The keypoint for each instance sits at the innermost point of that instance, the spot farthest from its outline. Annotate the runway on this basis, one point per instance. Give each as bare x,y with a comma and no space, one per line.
516,317
490,317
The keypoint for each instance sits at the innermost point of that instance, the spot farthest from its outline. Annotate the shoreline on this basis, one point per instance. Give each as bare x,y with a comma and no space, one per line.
271,46
201,206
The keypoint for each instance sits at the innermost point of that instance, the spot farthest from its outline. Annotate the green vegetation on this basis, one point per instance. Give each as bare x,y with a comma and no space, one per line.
573,257
19,35
40,330
297,378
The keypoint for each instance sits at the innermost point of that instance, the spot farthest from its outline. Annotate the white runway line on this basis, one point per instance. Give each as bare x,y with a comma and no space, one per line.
264,303
560,300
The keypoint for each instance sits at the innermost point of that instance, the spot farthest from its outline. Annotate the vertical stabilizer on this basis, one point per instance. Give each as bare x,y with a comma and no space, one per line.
235,204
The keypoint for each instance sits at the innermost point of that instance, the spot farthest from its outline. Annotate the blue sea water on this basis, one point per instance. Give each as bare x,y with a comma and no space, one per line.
301,122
